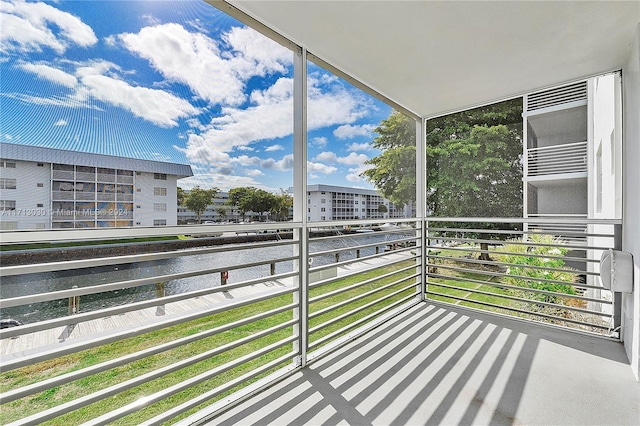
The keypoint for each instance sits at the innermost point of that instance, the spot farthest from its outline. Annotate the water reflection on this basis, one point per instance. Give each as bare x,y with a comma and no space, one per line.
23,285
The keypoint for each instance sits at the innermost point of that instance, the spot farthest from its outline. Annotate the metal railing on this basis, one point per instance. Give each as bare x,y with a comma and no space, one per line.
557,159
149,337
525,268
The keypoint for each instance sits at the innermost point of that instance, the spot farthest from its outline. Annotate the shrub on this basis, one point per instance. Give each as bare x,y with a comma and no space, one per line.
523,265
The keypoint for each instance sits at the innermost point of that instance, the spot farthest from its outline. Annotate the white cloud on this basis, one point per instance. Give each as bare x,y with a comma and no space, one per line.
274,148
359,147
319,141
194,59
99,80
351,159
245,160
244,148
60,122
286,163
189,58
328,156
349,131
50,73
254,173
29,27
270,115
355,172
320,168
256,54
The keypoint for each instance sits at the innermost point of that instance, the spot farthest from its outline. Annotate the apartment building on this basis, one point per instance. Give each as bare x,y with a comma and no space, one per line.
329,202
46,188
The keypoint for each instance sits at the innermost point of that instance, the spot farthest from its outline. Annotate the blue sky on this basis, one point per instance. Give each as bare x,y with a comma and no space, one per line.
174,81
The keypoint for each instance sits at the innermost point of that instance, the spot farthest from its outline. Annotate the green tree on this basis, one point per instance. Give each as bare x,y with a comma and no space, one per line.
382,208
394,170
180,195
198,199
473,162
280,208
241,198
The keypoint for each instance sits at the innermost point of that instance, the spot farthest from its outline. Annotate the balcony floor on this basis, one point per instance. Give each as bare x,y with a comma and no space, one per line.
437,364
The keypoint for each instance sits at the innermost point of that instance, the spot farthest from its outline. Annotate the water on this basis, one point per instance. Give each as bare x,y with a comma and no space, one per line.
23,285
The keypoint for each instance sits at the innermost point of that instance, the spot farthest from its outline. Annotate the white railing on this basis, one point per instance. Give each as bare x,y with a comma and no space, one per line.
183,321
557,159
542,270
202,315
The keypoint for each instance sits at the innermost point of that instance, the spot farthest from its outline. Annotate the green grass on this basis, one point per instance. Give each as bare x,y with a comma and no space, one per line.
60,394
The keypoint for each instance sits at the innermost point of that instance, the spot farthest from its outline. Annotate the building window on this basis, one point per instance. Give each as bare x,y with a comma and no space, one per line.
40,185
356,201
7,183
40,226
323,201
6,205
159,207
322,209
159,222
159,191
322,193
39,205
323,218
8,225
309,210
160,176
138,206
40,164
7,164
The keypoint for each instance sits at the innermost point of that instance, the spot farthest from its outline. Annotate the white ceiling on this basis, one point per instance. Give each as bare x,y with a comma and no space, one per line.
433,57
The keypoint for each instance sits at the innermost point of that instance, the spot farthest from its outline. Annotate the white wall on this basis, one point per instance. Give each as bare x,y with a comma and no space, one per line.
28,195
144,200
631,209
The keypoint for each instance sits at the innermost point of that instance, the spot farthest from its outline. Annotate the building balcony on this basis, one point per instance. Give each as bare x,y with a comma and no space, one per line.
558,160
406,325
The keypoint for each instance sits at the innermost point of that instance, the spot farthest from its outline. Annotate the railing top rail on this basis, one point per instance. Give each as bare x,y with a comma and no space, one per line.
335,223
528,220
558,147
34,236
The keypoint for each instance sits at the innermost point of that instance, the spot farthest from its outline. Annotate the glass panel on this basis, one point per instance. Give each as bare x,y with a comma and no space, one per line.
177,96
361,154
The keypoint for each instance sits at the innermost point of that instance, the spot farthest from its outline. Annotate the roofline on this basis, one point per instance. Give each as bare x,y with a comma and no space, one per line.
11,151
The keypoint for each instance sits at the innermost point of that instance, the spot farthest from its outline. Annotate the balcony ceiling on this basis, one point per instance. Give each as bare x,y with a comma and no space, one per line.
433,57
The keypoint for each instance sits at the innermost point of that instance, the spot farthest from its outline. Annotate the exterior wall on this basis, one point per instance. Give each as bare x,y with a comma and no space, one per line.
344,203
151,209
77,190
31,196
631,185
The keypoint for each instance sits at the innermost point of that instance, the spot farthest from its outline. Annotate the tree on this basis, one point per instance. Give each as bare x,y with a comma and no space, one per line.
473,162
198,199
180,195
282,203
382,208
394,170
239,197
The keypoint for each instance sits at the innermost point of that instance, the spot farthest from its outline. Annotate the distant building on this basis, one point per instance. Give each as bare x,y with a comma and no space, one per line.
329,202
46,188
213,212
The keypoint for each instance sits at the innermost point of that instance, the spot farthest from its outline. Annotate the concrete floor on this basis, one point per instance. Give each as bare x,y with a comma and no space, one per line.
437,364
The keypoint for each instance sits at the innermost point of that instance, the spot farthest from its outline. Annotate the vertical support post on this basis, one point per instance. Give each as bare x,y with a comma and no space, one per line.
617,296
74,304
301,297
421,203
160,293
337,257
272,268
358,254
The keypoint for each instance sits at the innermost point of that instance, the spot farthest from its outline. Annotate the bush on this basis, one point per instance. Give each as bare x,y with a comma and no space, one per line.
553,249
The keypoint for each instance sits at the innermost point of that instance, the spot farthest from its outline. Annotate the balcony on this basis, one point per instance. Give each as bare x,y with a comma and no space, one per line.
558,160
384,322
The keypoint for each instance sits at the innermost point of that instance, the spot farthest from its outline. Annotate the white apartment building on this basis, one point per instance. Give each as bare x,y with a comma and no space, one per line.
329,202
46,188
